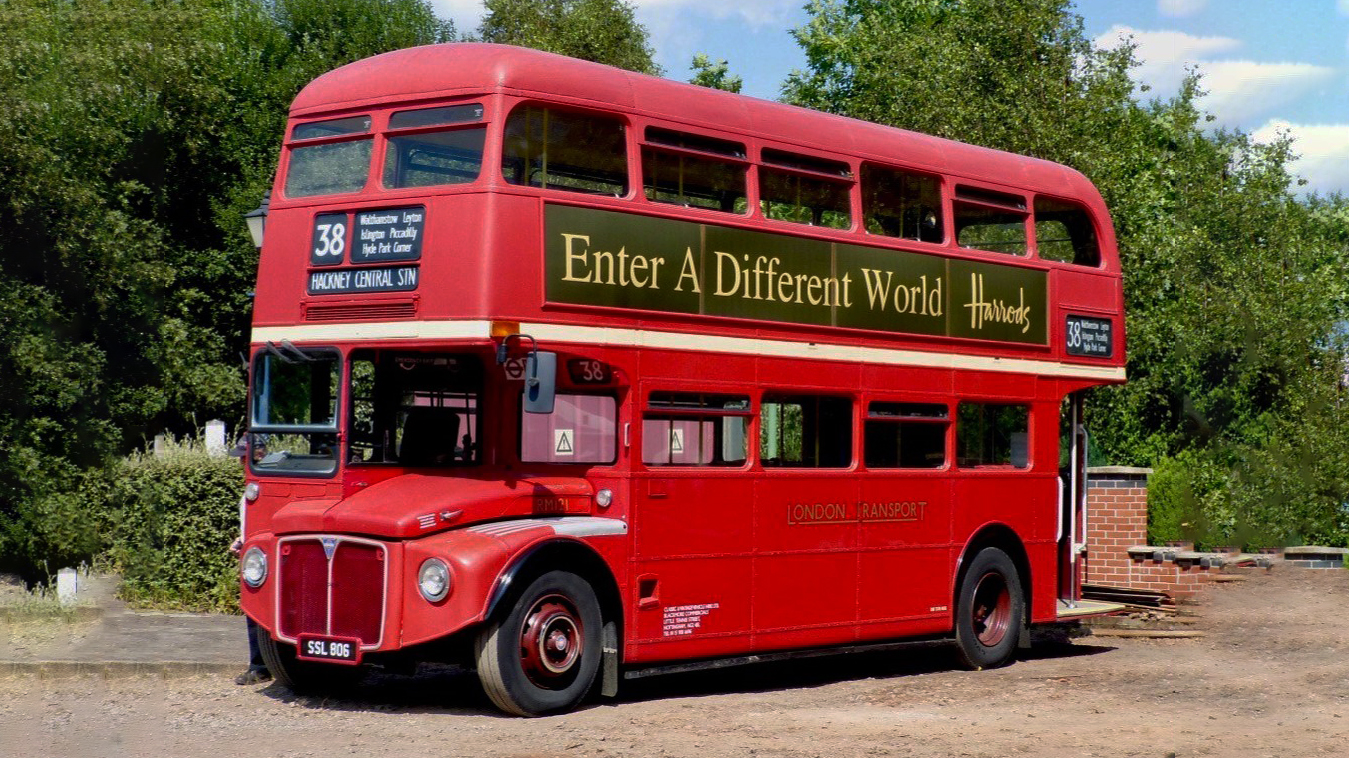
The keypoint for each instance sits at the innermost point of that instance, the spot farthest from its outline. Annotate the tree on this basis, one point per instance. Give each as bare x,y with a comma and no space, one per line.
1234,285
134,135
603,31
714,75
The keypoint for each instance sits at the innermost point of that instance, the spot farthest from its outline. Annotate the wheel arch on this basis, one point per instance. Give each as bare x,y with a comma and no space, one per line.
560,553
1005,539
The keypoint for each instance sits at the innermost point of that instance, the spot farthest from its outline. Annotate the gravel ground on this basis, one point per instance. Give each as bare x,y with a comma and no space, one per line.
1268,679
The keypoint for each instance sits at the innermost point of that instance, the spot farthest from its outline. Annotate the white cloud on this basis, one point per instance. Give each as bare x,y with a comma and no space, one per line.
1239,91
1324,151
1183,8
755,13
467,14
1163,55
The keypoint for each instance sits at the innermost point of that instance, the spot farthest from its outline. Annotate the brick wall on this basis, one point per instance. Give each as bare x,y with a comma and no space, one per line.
1117,520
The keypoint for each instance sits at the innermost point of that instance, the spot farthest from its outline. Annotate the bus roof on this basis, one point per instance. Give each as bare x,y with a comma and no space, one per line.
461,68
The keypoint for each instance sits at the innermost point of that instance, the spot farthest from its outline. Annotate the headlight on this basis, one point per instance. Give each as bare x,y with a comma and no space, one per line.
251,491
434,580
604,498
255,567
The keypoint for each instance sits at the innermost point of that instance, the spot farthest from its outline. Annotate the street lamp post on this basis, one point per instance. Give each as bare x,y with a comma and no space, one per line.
257,219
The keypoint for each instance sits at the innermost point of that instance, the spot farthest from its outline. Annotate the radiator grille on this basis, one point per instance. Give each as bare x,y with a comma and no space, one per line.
381,311
341,598
358,591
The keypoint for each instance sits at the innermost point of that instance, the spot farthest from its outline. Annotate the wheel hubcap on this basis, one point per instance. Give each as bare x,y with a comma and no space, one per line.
550,640
992,612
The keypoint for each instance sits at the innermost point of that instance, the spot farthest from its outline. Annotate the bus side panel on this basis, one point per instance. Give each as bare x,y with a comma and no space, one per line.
904,541
806,561
693,570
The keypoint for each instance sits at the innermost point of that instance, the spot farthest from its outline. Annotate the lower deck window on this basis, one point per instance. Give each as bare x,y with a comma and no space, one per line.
415,409
690,429
906,435
993,434
581,429
805,431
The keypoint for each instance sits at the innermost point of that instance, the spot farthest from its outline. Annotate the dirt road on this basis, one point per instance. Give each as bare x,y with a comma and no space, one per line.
1270,678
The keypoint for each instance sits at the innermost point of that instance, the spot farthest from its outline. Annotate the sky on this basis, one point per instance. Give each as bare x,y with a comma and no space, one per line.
1269,66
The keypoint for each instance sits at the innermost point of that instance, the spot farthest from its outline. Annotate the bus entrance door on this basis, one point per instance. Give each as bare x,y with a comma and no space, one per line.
1072,529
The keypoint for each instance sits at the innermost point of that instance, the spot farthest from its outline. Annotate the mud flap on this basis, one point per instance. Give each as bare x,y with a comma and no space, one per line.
609,661
1023,642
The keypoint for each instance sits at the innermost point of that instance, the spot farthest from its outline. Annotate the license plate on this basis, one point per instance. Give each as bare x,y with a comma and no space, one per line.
333,649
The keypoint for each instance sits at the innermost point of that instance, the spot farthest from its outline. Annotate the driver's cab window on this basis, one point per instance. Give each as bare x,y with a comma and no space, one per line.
415,409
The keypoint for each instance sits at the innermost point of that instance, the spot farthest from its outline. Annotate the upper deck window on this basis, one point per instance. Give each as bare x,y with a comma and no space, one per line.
338,164
556,149
805,190
1064,232
901,204
990,220
426,158
694,171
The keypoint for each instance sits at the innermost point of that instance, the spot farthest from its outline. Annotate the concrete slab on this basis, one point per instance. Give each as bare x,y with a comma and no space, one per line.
104,638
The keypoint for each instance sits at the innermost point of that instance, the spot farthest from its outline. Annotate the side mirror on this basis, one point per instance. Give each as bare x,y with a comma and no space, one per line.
540,382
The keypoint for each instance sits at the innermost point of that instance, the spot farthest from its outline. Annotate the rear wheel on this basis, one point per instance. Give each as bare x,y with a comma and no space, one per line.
990,611
543,655
303,677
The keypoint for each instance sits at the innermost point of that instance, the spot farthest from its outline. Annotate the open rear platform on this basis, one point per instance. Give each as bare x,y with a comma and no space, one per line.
1076,609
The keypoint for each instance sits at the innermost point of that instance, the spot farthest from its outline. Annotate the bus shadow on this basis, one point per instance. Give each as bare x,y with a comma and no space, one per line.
431,689
455,690
922,658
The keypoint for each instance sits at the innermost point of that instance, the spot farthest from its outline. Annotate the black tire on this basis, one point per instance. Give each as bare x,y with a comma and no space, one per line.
990,611
543,654
304,677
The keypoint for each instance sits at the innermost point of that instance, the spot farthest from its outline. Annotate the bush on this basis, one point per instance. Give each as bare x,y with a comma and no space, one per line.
1187,501
170,520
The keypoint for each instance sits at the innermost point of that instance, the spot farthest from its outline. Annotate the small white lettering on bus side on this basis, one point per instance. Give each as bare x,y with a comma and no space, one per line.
683,620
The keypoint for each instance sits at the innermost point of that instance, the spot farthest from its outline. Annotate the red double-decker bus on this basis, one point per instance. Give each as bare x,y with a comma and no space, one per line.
574,374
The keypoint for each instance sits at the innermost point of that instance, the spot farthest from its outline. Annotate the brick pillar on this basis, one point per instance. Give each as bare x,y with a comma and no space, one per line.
1117,519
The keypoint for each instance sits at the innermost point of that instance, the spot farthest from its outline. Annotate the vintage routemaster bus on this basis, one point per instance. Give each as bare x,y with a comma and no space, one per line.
574,374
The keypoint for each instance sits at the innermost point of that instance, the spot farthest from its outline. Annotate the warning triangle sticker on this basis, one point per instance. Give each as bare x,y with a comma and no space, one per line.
676,440
563,440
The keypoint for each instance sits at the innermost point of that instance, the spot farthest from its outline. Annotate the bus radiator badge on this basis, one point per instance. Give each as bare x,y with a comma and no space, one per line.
329,546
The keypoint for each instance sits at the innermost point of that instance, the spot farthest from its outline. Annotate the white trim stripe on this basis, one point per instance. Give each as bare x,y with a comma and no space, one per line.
810,350
376,330
603,335
571,526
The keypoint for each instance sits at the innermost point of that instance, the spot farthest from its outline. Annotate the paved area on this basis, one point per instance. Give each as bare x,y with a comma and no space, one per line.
100,636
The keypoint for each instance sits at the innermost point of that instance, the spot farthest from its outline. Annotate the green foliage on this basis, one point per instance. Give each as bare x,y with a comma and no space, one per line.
165,522
714,75
134,134
1234,285
171,519
603,31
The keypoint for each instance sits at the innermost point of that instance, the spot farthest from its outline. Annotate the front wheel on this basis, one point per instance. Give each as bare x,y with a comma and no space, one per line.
542,657
990,611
